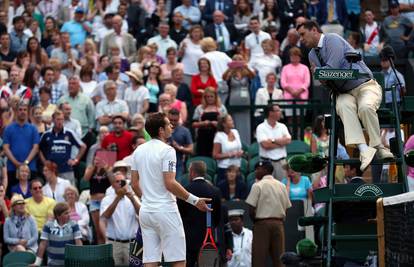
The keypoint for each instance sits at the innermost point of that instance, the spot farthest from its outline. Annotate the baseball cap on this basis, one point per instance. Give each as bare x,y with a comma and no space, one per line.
236,212
263,163
80,9
394,4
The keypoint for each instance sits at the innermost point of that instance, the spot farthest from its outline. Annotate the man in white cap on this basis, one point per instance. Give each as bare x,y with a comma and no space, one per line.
242,240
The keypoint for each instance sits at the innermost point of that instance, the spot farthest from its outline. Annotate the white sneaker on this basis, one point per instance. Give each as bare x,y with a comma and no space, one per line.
384,153
366,157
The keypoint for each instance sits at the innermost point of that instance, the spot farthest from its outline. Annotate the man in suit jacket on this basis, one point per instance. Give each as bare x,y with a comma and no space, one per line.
226,6
225,34
128,47
195,221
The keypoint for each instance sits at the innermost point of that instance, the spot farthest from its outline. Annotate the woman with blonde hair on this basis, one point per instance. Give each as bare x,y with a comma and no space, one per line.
20,230
89,50
190,52
23,186
205,121
179,105
78,211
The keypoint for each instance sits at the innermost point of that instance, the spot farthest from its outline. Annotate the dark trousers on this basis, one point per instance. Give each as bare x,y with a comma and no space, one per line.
268,240
192,256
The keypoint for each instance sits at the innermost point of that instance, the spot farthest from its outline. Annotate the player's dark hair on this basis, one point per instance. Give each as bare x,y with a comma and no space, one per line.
154,122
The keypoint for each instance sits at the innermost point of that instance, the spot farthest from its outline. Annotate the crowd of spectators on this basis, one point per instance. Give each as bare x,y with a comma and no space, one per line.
78,77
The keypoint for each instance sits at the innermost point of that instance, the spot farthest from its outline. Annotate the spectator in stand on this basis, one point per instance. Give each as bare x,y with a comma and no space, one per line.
298,187
395,31
225,6
124,41
266,94
333,16
60,81
233,187
136,96
23,187
153,83
46,107
180,140
89,52
191,14
391,79
56,234
407,8
98,175
269,16
183,90
295,80
18,37
273,136
31,79
289,11
38,121
66,54
48,75
163,40
205,119
55,186
202,81
111,106
354,39
38,56
21,144
119,139
112,73
39,206
15,86
69,122
177,30
190,52
171,64
242,16
78,211
20,232
7,56
179,105
320,137
242,240
3,21
87,83
409,145
227,149
292,40
50,27
254,40
56,145
4,212
371,34
164,103
120,210
82,109
225,34
219,63
78,28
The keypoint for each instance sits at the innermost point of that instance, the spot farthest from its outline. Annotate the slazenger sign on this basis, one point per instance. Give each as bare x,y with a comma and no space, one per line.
368,188
335,74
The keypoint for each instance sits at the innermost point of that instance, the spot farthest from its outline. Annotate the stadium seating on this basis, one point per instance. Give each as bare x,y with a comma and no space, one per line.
253,162
19,257
297,147
253,150
91,256
210,162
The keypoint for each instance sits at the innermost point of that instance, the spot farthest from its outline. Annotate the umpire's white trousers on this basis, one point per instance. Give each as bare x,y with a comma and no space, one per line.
361,103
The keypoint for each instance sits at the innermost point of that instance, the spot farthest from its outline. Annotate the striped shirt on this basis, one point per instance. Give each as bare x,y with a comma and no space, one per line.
58,236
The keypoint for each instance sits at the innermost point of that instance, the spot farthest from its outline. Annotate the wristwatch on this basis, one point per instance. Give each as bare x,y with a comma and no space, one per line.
273,141
26,162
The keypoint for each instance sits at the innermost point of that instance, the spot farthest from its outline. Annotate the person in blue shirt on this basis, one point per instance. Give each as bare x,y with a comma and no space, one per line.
298,187
390,79
21,144
56,145
23,187
356,100
78,28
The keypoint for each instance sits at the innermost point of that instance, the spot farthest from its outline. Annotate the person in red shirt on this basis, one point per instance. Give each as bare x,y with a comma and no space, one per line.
4,212
202,80
119,139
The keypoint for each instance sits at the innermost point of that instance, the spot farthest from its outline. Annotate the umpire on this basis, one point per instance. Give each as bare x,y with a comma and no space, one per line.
268,201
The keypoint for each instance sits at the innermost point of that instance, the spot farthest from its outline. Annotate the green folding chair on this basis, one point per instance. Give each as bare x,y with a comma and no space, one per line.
252,163
210,162
244,166
250,180
297,147
91,256
20,257
253,150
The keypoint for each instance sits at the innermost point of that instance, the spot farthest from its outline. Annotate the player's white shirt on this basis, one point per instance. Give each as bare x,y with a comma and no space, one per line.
151,159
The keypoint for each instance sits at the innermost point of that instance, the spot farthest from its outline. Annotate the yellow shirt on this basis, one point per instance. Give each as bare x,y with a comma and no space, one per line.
270,198
40,211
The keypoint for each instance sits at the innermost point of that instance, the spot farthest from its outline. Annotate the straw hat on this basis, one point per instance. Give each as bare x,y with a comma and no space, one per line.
16,200
136,74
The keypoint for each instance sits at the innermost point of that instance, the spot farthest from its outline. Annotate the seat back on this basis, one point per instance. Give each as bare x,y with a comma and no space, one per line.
252,163
253,150
297,147
91,255
210,163
19,257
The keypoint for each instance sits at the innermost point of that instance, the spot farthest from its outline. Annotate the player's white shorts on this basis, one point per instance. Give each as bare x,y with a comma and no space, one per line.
162,234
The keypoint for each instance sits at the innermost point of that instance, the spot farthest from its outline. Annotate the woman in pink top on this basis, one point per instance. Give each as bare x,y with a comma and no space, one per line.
295,78
177,104
410,177
171,64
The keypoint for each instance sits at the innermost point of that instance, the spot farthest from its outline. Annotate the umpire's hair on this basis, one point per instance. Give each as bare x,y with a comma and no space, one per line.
198,167
308,25
154,122
269,108
357,167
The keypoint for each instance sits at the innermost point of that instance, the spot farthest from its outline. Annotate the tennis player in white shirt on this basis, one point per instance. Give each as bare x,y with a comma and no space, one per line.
153,179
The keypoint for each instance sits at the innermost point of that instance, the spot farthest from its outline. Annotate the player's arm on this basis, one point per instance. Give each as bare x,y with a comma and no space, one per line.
135,183
179,191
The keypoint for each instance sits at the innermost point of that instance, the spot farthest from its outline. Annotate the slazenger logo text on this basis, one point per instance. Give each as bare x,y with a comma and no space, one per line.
335,74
